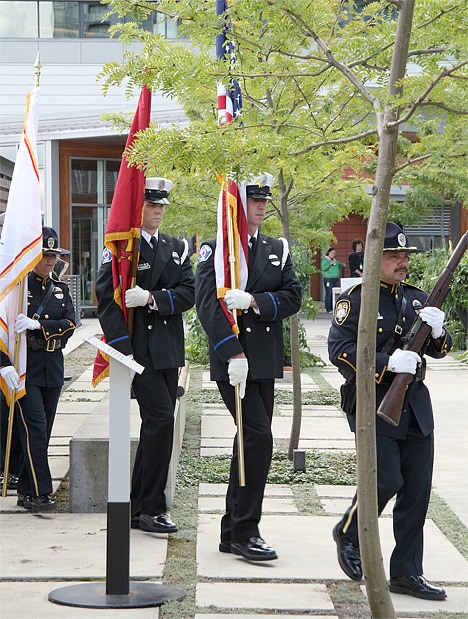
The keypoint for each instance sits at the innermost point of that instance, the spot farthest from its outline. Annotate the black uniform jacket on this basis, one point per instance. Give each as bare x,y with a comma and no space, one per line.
158,335
276,290
342,343
45,367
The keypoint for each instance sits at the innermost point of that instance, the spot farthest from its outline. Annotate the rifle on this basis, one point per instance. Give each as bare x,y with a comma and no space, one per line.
391,407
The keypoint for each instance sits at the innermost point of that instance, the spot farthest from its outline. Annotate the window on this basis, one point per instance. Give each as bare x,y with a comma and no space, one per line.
32,19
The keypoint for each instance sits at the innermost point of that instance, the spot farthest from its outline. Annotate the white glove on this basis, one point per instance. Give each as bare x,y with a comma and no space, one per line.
238,370
403,362
434,317
136,297
22,323
237,299
10,376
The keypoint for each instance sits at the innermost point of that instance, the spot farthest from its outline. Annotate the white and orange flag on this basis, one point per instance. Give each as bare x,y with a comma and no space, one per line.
21,240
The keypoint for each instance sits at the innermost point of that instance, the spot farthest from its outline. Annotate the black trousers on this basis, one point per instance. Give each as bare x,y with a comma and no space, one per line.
16,452
156,394
404,469
244,504
36,414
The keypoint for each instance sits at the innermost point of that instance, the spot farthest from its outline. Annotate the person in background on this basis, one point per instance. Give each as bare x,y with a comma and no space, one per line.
165,288
331,268
405,453
48,325
356,258
253,361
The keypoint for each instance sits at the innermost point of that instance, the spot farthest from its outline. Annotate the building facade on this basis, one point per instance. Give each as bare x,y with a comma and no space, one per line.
78,153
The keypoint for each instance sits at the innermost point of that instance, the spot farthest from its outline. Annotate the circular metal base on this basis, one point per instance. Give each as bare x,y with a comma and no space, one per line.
93,595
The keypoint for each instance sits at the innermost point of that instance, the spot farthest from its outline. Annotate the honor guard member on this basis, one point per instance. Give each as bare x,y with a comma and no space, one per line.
164,289
253,360
49,324
405,453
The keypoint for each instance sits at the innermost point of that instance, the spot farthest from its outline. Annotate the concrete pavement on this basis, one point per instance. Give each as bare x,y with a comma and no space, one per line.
39,553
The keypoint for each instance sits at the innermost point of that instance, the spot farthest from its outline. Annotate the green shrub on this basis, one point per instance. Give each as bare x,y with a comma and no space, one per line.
425,269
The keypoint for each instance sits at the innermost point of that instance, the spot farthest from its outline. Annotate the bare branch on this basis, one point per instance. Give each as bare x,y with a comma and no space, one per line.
429,50
351,138
440,14
334,62
443,73
411,162
444,106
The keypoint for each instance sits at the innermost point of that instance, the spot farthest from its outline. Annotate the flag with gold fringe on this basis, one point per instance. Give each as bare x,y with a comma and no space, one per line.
124,223
20,241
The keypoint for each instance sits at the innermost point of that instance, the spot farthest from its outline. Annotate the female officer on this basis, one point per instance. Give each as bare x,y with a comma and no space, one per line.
48,325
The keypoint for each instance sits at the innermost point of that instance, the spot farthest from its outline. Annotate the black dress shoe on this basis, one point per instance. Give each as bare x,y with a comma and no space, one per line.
24,500
42,503
254,549
349,556
161,523
135,522
417,586
224,546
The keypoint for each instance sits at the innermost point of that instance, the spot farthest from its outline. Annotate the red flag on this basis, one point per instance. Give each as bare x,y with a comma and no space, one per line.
124,223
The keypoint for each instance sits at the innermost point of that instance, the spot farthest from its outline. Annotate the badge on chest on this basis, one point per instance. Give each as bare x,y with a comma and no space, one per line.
144,266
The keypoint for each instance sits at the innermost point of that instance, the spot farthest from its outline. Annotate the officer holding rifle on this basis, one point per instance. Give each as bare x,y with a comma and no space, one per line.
405,453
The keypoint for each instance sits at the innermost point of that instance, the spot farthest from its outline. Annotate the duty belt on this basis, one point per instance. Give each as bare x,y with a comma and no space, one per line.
51,345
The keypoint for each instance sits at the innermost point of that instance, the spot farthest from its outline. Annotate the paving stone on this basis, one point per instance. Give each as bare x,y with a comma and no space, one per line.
270,505
326,490
286,410
72,408
268,596
35,603
68,425
59,466
456,602
85,384
71,546
327,444
262,616
306,550
339,506
220,490
212,452
225,443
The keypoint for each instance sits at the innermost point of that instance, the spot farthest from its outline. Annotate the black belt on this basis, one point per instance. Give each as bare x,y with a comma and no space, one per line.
37,343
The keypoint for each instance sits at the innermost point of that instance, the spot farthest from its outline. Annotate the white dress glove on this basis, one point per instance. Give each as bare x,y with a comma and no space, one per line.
434,317
136,297
237,299
10,376
238,370
22,323
403,362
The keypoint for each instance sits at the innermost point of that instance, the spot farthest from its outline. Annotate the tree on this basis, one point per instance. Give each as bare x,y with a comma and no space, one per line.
331,92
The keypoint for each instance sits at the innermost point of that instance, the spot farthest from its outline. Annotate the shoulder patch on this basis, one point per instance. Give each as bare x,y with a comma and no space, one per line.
106,256
205,253
342,309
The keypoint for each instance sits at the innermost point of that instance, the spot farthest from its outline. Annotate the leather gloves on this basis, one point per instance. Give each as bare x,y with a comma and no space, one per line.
237,299
403,362
22,323
237,371
434,317
10,376
136,297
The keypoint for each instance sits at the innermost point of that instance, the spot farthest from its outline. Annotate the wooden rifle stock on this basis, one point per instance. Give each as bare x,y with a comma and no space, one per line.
391,407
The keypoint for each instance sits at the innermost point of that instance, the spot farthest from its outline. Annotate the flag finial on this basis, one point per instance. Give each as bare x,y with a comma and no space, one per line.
37,70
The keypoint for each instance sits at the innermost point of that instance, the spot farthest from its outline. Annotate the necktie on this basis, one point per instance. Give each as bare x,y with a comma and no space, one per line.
154,243
252,248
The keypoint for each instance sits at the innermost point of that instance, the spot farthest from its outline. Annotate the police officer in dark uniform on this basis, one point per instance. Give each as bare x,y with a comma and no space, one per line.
164,289
404,453
49,324
253,360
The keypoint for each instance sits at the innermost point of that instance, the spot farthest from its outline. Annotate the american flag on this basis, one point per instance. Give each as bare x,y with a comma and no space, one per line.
229,96
230,262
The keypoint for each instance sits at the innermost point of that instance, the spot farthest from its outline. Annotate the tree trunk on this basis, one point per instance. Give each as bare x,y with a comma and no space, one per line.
294,329
374,574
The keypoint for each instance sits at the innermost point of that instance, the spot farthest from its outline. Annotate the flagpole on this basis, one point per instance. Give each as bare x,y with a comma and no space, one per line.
11,413
232,269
